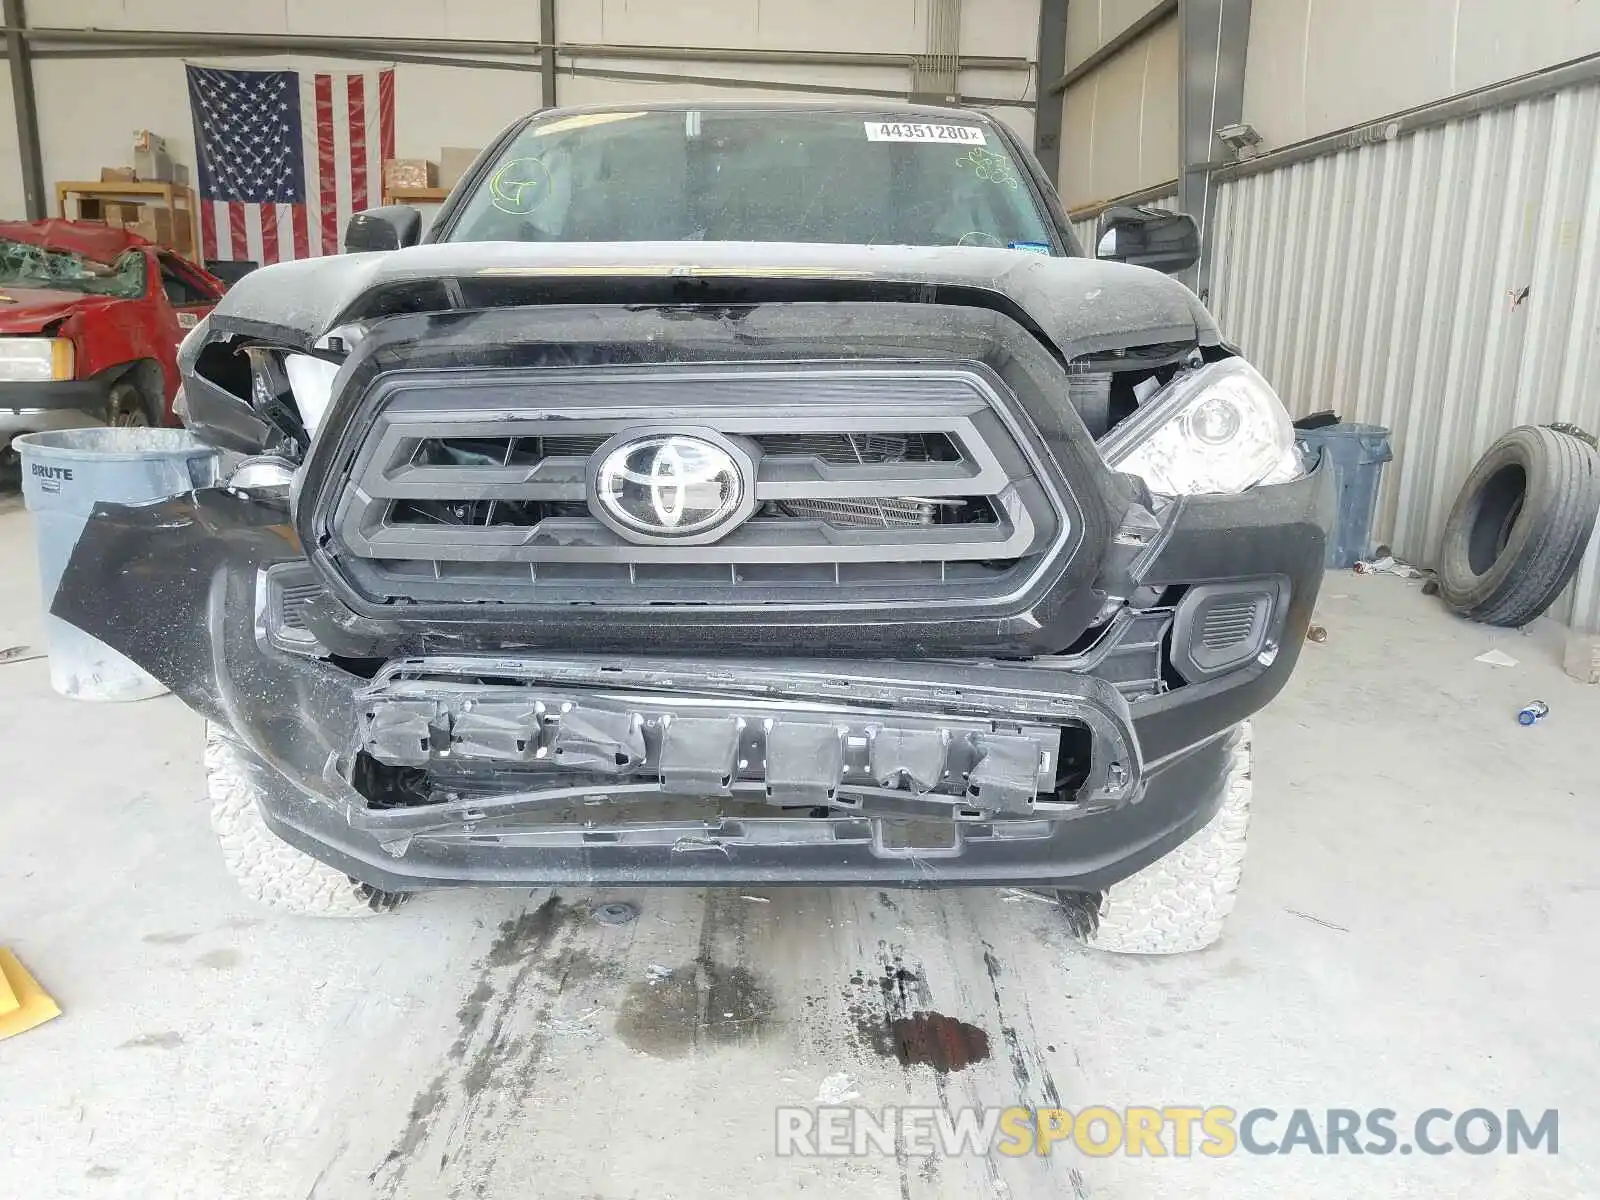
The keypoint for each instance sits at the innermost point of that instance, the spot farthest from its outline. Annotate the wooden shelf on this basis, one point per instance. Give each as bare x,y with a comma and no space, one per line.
416,195
111,189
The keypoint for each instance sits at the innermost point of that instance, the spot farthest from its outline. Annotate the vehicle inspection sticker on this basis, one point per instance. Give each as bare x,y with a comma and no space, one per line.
910,131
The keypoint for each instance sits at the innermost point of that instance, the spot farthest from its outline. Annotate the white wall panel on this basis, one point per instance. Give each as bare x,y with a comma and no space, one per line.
517,20
1006,28
1320,65
1005,85
182,15
1093,23
581,89
89,108
1119,129
480,104
490,20
877,26
998,27
1445,284
13,205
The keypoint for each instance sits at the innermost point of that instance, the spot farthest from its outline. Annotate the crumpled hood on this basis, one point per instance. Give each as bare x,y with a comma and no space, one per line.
32,310
1081,304
100,242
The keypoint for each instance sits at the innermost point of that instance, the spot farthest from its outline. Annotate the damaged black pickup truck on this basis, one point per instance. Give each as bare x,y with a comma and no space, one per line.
729,494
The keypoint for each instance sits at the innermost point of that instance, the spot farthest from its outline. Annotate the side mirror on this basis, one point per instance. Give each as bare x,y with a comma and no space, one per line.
386,228
1147,237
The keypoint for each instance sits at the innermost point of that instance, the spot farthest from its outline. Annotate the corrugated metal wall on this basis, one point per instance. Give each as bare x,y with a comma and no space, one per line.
1445,284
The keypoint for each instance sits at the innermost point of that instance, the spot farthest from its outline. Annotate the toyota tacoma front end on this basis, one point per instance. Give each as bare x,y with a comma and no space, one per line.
599,543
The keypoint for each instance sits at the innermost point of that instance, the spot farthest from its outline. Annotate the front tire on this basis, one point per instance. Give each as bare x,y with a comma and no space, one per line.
267,869
126,408
1177,904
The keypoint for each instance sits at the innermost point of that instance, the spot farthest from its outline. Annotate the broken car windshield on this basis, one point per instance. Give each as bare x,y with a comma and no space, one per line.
25,265
759,176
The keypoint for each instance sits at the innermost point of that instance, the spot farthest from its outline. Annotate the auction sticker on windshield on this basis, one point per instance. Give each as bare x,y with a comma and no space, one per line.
907,131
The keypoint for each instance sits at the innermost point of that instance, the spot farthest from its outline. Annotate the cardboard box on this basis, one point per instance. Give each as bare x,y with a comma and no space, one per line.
453,164
120,214
91,208
152,165
155,226
145,142
118,175
183,232
409,173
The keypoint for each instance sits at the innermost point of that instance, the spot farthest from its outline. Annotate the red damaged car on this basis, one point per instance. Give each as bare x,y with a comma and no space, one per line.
90,321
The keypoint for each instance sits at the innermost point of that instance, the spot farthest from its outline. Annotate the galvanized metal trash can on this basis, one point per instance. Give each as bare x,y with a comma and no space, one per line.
65,473
1357,454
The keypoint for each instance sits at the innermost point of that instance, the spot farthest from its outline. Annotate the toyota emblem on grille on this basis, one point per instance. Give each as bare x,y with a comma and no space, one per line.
672,487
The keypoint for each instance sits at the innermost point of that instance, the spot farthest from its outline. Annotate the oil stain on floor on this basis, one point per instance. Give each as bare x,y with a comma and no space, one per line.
702,1002
893,1017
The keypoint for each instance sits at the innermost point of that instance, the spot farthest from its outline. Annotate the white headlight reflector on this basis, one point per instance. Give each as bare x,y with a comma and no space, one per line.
1218,429
311,380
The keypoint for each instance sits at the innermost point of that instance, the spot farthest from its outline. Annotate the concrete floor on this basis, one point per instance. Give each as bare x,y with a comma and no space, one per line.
1416,929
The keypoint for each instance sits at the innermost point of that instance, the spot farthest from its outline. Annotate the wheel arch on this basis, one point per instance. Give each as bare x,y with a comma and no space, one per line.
146,375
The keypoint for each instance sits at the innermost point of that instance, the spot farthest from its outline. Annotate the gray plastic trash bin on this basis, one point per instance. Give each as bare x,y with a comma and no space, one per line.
1357,454
65,472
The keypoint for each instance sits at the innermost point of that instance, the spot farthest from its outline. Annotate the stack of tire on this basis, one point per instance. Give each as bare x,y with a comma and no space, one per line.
1521,525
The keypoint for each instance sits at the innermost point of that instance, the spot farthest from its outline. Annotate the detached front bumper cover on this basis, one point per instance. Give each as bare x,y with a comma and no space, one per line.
198,562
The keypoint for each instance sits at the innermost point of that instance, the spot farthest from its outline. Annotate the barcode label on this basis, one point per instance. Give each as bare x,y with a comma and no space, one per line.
906,131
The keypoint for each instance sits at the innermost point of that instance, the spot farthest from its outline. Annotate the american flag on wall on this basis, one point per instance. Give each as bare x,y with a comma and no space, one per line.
284,158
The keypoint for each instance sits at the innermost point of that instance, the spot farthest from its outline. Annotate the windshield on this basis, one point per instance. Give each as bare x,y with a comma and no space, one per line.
755,175
25,265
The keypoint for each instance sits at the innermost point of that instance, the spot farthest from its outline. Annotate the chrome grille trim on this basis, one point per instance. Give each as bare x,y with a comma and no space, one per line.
800,495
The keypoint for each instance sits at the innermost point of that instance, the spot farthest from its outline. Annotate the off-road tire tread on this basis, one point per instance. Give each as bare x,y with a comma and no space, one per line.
267,869
1179,903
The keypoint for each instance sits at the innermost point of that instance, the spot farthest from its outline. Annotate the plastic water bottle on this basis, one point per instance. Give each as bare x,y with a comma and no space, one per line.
1533,712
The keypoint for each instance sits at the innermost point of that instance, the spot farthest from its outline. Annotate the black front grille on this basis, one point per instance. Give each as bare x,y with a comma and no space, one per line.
855,449
849,448
902,482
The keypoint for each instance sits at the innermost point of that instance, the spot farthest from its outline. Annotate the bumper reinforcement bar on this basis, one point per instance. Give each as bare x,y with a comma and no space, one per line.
493,747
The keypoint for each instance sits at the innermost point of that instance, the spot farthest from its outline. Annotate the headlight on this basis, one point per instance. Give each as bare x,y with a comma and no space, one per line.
1220,428
35,360
262,472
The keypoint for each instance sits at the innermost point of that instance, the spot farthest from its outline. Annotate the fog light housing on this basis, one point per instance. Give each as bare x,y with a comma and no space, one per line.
1221,627
283,593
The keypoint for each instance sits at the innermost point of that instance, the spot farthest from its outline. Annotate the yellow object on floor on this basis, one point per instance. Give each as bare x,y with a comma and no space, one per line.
23,1003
